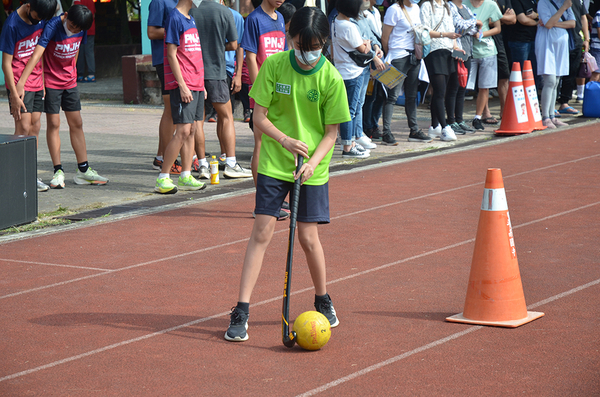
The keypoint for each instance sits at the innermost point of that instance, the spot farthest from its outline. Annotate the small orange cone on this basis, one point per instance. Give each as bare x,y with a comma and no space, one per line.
533,106
495,293
514,119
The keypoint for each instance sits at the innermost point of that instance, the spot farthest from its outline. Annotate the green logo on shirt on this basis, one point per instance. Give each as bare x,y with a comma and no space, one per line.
283,88
312,95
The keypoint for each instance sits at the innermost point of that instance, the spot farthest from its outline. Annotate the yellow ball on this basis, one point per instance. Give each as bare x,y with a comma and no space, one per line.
312,330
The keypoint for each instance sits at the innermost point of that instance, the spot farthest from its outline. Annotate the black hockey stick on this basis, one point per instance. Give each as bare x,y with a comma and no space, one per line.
289,338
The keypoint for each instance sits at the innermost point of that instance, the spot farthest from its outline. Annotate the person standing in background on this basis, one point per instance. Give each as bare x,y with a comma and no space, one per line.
86,60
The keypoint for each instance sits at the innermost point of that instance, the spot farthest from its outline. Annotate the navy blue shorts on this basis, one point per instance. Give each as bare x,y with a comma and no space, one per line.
68,100
313,205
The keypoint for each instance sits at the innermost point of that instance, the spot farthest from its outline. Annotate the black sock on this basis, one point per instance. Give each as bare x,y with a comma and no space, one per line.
244,306
58,167
83,167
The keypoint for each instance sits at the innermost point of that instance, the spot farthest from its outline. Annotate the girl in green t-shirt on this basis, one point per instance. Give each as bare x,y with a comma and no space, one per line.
300,101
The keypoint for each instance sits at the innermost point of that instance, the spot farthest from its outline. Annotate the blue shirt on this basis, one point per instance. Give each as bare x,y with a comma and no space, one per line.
158,13
230,55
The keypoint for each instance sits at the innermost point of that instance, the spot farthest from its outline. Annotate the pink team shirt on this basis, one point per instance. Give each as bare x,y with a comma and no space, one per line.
182,32
60,57
19,39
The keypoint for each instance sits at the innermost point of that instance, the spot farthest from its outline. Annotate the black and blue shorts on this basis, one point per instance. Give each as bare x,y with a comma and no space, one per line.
313,205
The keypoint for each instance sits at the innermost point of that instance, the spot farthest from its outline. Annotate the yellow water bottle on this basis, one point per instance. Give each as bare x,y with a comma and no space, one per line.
214,171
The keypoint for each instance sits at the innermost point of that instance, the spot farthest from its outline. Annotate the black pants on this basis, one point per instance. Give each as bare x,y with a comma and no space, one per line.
455,96
568,82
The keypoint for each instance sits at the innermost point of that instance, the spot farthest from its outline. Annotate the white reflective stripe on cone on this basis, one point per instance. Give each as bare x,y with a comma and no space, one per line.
494,200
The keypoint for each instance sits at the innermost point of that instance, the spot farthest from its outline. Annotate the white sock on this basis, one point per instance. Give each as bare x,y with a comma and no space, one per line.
231,161
185,174
203,162
159,158
580,89
477,117
194,158
162,176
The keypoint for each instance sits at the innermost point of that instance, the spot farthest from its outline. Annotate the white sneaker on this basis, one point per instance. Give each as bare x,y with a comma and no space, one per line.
366,142
448,134
204,172
435,132
58,180
237,172
41,186
360,148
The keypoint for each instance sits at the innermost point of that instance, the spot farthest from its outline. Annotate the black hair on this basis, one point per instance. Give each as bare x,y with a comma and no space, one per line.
45,9
256,3
81,16
287,10
331,6
309,23
444,3
350,8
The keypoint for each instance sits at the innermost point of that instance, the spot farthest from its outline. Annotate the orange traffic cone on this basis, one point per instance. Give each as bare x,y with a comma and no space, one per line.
514,117
495,293
533,106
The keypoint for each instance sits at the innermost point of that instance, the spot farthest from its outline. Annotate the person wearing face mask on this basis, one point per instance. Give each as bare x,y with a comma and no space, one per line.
62,38
264,36
300,101
20,33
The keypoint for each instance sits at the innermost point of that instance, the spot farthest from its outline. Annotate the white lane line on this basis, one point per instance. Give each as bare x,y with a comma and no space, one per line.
431,345
278,298
280,231
53,264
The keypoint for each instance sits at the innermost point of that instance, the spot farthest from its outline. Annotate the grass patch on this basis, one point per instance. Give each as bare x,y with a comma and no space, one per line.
44,220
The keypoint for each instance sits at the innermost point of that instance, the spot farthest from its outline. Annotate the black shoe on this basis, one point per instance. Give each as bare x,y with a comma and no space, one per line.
238,325
457,129
389,139
374,134
478,125
419,136
212,118
325,307
465,127
247,115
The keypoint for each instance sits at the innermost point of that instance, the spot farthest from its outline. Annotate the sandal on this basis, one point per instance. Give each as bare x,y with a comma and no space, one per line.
79,79
568,110
89,79
489,120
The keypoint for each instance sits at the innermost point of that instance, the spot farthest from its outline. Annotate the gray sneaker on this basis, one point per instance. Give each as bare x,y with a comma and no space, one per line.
238,325
419,136
354,153
457,129
237,171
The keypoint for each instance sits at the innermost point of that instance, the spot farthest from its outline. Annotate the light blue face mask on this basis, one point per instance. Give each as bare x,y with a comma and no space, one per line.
379,2
308,57
414,1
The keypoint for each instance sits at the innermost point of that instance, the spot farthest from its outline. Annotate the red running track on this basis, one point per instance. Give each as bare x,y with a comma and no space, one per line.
139,306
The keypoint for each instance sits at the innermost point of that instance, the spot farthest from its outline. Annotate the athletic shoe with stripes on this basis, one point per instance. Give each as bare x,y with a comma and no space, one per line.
237,171
189,183
196,165
204,172
238,325
325,307
58,180
90,177
165,186
175,168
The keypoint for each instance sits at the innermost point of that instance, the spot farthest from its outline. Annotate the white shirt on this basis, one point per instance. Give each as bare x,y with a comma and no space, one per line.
345,36
401,38
431,17
374,18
